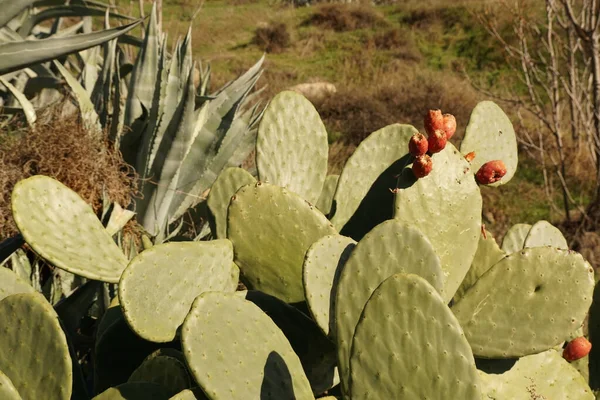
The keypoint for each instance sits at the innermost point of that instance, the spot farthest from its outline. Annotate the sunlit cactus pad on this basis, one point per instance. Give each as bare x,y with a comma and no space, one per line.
33,349
7,389
514,239
236,352
160,284
409,345
271,229
543,233
502,313
63,229
10,283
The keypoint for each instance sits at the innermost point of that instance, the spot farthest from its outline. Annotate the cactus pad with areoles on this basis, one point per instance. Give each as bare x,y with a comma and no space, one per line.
390,248
7,389
323,266
326,198
291,147
271,229
38,365
408,345
227,183
10,283
514,239
163,370
446,207
543,233
160,284
501,314
255,362
63,229
491,135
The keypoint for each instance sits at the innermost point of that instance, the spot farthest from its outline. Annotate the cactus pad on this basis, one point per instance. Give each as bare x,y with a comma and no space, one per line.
7,389
322,268
514,240
543,233
390,248
408,345
134,391
271,229
10,283
541,376
488,254
372,157
491,135
38,365
190,394
255,362
63,229
317,353
501,314
326,198
291,147
227,183
446,206
159,286
163,370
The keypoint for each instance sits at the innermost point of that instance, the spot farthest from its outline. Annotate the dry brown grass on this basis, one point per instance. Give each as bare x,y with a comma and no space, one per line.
61,149
342,17
273,37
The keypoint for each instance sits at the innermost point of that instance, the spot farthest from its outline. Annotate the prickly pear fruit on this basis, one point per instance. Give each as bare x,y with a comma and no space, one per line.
434,120
490,172
422,166
449,125
576,349
437,141
470,156
417,146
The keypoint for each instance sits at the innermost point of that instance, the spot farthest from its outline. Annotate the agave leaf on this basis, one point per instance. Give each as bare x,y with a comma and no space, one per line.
102,92
12,8
28,109
50,3
17,55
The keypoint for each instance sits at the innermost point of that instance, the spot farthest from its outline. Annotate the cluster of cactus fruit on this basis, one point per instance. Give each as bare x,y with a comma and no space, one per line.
354,293
440,128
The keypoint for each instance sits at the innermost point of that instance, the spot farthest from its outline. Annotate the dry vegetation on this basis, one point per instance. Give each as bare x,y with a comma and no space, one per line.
272,37
341,18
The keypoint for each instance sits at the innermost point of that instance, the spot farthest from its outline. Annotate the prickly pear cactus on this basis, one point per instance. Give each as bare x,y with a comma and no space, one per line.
326,197
63,229
159,286
523,287
423,354
38,365
514,239
134,391
543,233
7,389
10,283
491,135
166,371
269,246
256,362
291,147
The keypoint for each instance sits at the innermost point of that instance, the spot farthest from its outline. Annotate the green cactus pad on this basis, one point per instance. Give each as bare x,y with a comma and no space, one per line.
159,286
7,389
271,229
514,240
316,352
135,391
446,206
390,248
255,362
543,233
491,135
63,229
502,313
322,268
291,147
38,365
487,255
541,376
372,157
10,283
408,345
228,182
190,394
163,370
326,198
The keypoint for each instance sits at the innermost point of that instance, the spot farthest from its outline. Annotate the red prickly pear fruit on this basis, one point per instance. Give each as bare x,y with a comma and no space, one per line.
470,156
490,172
437,141
417,145
422,166
449,125
576,349
434,120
